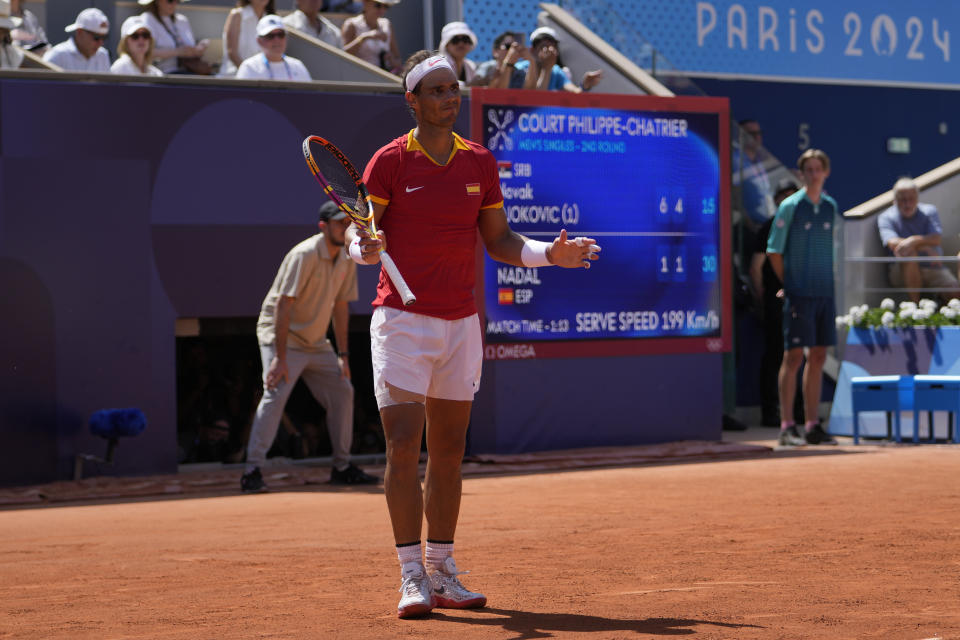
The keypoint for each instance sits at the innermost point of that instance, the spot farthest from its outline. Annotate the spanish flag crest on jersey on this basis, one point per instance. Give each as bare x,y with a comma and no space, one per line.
473,189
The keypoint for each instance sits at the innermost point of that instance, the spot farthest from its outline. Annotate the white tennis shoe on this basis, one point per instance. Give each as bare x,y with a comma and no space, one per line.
416,597
449,592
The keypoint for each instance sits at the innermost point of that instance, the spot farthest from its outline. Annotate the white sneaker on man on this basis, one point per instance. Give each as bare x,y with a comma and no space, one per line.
449,592
416,592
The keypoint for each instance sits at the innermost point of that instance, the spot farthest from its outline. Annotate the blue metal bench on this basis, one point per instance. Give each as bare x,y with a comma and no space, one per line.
890,394
936,393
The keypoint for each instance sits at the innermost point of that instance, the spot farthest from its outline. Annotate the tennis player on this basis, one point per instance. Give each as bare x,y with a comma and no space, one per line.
432,190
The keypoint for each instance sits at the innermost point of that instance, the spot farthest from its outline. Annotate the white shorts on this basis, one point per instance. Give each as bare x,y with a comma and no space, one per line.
424,356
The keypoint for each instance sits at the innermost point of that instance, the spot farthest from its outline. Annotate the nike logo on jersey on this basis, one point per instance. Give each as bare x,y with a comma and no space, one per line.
412,189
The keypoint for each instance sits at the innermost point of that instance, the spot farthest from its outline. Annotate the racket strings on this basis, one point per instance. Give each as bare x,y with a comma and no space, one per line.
338,181
361,213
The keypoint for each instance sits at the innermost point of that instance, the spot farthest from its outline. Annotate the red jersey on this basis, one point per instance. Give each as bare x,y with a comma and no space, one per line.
431,221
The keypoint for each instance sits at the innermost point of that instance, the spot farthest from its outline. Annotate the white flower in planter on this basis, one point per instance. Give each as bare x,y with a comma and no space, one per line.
908,304
888,318
889,305
954,304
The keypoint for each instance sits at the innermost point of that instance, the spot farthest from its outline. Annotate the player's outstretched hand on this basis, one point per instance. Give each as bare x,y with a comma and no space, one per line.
573,253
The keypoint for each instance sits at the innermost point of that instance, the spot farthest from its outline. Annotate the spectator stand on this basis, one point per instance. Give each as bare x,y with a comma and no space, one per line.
583,50
862,279
325,62
30,59
33,61
863,270
322,61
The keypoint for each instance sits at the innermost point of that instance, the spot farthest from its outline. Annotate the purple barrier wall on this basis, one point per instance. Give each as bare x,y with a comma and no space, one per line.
124,207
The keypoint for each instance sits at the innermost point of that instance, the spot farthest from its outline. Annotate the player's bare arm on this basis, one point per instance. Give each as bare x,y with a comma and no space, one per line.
505,245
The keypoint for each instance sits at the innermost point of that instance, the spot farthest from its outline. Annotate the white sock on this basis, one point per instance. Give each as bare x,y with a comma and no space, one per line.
437,552
410,553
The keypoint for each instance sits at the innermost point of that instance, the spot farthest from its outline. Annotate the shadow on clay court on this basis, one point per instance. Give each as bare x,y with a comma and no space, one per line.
527,624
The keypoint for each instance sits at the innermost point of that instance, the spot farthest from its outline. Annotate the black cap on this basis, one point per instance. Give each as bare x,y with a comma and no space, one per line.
330,211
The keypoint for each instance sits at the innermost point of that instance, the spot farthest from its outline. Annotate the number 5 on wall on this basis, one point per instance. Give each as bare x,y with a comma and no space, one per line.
803,136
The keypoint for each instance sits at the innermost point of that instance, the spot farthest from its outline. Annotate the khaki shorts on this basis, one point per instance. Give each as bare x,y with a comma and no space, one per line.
933,278
416,356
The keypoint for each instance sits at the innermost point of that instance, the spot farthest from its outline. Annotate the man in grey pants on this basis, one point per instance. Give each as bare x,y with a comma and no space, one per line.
315,284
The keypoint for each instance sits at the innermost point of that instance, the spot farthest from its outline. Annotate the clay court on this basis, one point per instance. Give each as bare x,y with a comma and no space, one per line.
842,542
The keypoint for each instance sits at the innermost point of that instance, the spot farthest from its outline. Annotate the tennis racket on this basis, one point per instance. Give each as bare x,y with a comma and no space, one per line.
344,185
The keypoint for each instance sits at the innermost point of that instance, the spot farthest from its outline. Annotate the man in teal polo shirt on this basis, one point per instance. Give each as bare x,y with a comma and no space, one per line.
800,250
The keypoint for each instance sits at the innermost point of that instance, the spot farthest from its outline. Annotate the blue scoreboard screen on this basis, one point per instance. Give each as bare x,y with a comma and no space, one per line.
648,179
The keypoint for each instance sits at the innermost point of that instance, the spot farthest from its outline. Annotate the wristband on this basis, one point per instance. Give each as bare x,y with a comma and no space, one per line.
534,253
355,252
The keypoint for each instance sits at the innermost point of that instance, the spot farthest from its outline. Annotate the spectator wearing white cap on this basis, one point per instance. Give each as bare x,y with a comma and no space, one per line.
307,19
272,63
456,41
28,34
551,74
83,51
240,33
10,56
369,36
135,49
172,35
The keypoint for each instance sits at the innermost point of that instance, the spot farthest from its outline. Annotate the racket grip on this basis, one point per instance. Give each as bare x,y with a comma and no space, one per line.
394,274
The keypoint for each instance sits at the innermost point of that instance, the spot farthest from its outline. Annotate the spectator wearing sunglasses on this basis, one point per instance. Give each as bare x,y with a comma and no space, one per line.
272,63
551,73
240,33
135,50
84,50
456,41
369,36
172,35
501,71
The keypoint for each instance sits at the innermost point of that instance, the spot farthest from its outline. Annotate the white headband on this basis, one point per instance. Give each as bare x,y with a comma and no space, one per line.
423,68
